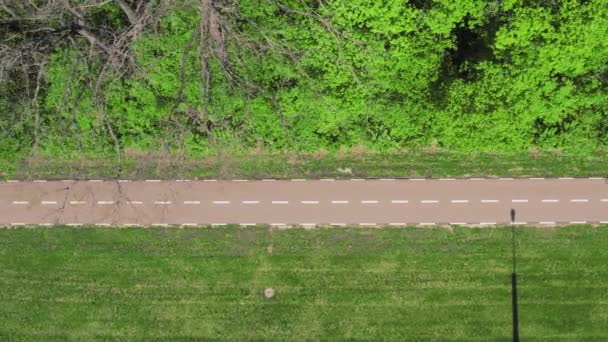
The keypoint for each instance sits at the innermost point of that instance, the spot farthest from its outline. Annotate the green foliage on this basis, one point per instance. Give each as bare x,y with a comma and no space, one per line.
70,120
385,74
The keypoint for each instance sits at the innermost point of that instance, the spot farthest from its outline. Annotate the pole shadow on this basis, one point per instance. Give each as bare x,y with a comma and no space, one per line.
514,305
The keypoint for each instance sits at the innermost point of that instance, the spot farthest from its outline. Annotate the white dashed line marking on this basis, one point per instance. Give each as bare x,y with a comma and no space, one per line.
209,180
278,224
338,224
427,223
39,181
458,223
519,223
12,181
189,224
298,180
153,180
124,181
268,180
247,224
102,224
45,224
73,224
487,223
417,179
476,179
387,179
400,224
160,224
129,224
357,179
240,180
366,224
308,224
95,180
505,179
17,224
549,200
218,224
327,180
537,178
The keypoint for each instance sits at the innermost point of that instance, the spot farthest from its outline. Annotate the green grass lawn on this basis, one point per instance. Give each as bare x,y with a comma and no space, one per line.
364,164
84,283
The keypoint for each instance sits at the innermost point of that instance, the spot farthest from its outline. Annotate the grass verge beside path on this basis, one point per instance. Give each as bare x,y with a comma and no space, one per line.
317,165
83,283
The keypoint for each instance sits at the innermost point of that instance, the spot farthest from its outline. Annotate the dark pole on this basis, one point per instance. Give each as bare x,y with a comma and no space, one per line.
514,283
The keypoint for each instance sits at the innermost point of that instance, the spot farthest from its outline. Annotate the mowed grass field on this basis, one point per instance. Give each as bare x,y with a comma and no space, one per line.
340,283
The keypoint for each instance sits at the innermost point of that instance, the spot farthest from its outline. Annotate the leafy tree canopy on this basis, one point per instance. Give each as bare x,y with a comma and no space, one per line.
196,75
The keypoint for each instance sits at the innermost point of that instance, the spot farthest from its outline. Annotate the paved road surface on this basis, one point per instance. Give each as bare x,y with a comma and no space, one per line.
305,202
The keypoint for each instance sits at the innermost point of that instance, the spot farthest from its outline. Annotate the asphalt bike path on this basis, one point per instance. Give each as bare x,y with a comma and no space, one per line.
298,202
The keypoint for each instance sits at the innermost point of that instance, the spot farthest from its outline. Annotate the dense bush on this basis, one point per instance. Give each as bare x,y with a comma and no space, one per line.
467,75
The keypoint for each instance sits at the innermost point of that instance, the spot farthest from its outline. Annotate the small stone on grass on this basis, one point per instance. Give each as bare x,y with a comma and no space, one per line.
269,292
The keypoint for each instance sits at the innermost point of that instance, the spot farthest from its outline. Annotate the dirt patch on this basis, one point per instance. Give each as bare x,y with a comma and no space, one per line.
342,152
292,158
556,152
320,154
534,152
359,151
433,148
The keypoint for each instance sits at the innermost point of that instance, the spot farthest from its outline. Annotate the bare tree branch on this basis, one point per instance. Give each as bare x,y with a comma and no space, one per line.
128,11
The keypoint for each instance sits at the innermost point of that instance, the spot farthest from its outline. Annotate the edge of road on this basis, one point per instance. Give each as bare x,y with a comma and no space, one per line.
301,179
442,225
